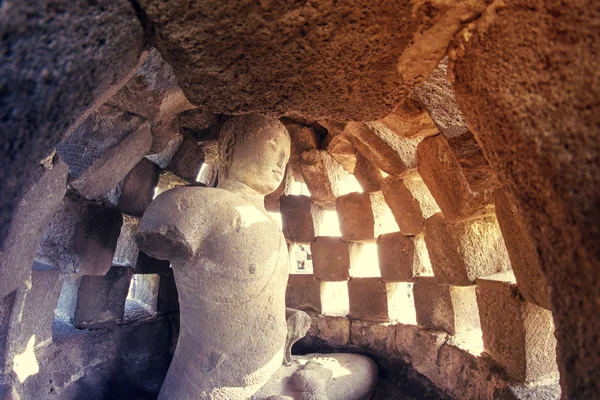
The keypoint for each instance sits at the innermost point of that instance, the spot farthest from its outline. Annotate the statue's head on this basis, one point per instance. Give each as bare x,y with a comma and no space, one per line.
254,150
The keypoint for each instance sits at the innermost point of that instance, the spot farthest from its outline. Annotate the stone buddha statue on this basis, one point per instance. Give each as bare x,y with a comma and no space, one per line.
230,262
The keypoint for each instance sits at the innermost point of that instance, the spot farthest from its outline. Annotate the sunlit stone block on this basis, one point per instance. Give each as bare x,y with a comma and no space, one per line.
364,216
303,293
401,258
372,299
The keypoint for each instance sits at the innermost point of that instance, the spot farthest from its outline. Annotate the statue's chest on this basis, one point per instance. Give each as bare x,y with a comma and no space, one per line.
247,254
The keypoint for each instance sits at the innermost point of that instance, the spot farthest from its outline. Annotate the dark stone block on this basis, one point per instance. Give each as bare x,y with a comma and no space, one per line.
138,188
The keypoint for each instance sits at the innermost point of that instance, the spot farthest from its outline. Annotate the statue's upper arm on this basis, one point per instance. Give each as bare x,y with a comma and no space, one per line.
174,224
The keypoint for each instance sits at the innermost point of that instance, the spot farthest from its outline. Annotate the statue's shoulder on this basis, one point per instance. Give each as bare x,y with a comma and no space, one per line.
193,196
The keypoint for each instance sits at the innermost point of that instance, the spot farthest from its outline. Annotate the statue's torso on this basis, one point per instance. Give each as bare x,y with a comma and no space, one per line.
232,299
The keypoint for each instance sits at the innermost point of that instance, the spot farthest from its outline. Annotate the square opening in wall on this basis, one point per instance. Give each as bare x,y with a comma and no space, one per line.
300,259
334,298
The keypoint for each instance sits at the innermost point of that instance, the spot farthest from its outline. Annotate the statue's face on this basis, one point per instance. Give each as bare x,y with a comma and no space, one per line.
259,161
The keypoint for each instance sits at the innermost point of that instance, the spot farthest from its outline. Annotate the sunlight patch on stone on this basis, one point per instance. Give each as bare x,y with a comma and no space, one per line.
25,364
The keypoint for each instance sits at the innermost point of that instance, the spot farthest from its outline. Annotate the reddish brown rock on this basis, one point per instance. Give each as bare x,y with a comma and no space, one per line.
523,339
42,195
420,347
168,180
334,330
101,299
367,174
462,251
410,202
303,293
300,217
287,59
343,152
372,299
303,139
188,160
410,120
437,97
333,258
138,187
402,258
323,176
377,337
457,175
452,309
367,142
103,149
81,237
364,216
522,252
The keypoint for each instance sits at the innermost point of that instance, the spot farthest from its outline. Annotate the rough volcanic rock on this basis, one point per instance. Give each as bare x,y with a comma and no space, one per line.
527,81
344,61
57,59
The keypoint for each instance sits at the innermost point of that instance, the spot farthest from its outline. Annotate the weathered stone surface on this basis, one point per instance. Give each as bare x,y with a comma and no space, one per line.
378,337
335,330
323,176
40,199
375,148
364,216
420,347
168,180
523,339
462,251
410,120
56,61
300,217
153,94
343,152
436,95
452,309
101,299
126,252
303,138
286,59
367,174
303,293
333,258
103,149
457,175
41,299
410,202
138,188
272,200
81,237
188,160
402,258
7,309
9,393
372,299
522,252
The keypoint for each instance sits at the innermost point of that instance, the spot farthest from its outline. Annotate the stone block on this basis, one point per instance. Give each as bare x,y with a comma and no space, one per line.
367,174
101,299
436,95
377,337
372,299
81,238
410,119
303,293
419,347
457,175
188,160
452,309
402,258
40,302
522,252
300,218
7,309
516,333
138,187
462,251
410,201
41,198
103,149
126,253
333,258
334,330
343,152
323,175
168,180
364,216
303,138
381,152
